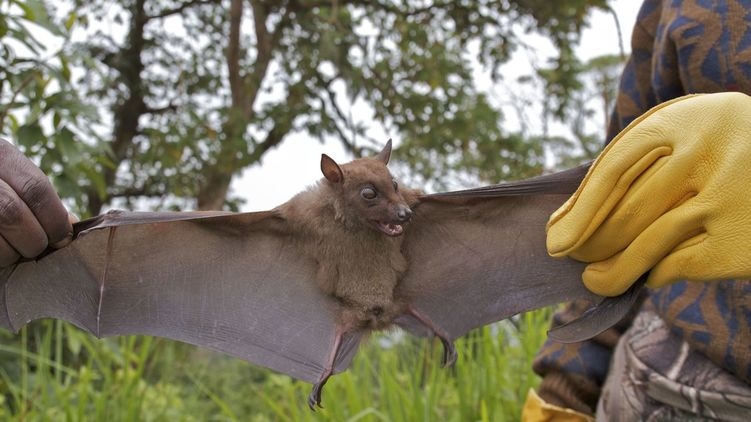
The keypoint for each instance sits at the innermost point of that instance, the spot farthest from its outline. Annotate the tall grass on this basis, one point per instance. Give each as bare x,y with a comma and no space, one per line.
53,371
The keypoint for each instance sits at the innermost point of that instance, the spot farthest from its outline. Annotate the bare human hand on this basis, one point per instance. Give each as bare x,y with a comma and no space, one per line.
32,217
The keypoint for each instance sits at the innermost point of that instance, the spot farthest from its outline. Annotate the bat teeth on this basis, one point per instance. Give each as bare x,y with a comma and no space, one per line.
390,228
396,228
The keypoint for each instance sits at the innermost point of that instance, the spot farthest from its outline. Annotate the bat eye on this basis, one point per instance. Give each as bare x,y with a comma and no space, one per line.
396,185
368,193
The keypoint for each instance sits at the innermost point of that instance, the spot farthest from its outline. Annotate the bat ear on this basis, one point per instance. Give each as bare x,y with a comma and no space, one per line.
331,170
385,153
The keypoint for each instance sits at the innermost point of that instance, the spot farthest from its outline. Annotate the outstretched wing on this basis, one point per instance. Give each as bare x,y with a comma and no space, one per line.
236,283
479,256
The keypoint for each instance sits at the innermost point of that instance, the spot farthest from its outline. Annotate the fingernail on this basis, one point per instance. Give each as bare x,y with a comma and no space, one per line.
61,243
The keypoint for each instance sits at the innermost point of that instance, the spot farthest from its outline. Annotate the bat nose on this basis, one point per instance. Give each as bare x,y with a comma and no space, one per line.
403,213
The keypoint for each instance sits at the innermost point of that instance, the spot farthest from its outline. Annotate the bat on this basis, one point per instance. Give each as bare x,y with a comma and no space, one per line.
296,288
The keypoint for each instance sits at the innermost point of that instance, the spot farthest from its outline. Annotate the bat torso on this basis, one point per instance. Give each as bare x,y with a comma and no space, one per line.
357,265
362,272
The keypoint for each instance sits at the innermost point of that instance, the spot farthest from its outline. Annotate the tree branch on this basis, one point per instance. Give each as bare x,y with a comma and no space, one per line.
129,64
388,7
273,138
266,43
237,89
142,191
331,95
16,92
160,110
174,11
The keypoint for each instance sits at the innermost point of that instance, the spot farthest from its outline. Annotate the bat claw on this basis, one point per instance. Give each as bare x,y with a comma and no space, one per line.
449,352
314,398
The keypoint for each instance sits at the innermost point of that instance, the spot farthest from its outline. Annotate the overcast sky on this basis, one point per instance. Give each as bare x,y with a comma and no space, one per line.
294,165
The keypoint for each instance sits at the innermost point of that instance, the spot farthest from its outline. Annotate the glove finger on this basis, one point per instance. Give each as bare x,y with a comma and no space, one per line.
653,195
615,275
687,261
701,258
573,224
624,160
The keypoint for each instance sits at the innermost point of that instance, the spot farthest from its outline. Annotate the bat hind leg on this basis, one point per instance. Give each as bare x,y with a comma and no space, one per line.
449,350
314,398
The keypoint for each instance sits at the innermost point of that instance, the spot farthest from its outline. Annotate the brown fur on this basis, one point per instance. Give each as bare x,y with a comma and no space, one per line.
358,264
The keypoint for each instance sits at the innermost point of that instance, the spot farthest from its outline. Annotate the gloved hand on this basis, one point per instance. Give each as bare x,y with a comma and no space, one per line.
671,193
537,410
31,214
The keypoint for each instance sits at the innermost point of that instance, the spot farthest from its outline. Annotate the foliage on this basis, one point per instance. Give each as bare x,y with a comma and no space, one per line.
394,378
187,93
39,106
598,81
571,125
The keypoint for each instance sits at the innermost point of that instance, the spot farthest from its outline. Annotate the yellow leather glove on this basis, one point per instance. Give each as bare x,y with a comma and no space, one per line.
671,193
538,410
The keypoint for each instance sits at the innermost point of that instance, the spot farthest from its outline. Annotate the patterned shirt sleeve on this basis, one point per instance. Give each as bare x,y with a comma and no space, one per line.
677,47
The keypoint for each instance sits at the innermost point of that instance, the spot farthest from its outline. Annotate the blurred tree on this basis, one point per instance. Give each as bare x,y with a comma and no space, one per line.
190,92
39,105
584,111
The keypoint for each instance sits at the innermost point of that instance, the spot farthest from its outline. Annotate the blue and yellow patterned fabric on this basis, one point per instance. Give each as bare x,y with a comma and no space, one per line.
678,47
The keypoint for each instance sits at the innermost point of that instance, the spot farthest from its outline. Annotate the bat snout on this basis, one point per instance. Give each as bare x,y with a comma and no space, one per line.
403,213
395,218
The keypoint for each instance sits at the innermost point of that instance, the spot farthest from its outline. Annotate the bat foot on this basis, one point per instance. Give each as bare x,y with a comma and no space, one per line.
314,398
449,352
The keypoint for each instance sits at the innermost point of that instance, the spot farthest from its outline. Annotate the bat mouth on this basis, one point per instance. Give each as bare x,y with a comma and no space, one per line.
390,229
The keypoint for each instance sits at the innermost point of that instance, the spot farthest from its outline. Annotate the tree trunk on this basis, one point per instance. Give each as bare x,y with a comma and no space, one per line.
127,112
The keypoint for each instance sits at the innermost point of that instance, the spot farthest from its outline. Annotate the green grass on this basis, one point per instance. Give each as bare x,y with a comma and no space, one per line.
53,371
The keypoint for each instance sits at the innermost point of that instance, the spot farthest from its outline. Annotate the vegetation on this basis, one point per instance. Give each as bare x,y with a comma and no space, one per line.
392,379
166,100
122,104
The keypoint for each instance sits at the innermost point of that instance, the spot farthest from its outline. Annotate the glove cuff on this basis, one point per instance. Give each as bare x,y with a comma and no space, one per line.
538,410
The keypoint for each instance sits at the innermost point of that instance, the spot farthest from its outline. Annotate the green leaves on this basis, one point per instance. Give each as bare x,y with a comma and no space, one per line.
35,11
576,95
40,109
152,99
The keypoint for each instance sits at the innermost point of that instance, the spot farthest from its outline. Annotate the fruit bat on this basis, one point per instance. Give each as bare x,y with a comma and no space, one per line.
297,287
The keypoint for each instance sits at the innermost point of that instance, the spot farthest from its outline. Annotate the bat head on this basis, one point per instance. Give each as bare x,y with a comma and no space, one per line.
367,193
